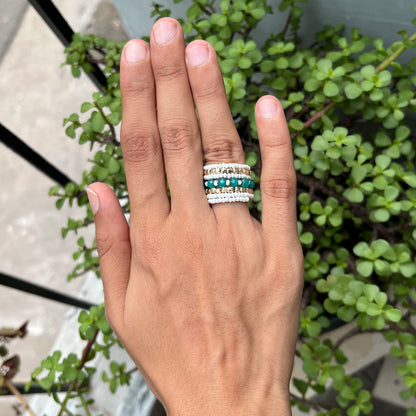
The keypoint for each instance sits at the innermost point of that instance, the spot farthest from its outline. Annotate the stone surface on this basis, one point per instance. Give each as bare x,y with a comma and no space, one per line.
11,14
389,384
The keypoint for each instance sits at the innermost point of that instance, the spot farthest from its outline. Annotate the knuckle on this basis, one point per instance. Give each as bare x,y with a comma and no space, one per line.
177,136
283,187
104,246
139,145
168,72
208,92
280,143
137,87
222,147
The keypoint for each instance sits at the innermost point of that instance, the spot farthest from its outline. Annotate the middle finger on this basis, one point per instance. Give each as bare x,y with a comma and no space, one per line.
178,126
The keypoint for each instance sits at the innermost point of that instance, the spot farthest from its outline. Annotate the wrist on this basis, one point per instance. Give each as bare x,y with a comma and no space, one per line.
218,407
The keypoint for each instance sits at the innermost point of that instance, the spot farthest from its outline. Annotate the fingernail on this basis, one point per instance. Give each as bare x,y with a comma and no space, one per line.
268,108
94,201
197,54
164,31
135,52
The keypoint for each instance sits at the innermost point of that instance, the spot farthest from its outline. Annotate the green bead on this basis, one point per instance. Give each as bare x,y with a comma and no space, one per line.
245,182
211,184
251,184
222,182
234,182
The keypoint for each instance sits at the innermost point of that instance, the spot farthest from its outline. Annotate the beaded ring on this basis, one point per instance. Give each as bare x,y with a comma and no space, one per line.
228,182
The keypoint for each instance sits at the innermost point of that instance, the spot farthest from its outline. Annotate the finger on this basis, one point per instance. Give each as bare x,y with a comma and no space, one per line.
278,178
177,121
220,140
142,151
113,245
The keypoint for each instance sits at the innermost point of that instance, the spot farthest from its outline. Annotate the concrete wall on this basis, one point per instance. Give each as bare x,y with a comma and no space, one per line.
377,18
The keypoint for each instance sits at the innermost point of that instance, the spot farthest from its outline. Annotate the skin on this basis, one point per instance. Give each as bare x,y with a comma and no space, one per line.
204,298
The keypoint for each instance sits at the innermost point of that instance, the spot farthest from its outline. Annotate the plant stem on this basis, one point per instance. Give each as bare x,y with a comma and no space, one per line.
307,402
84,403
394,55
315,117
113,131
287,24
16,392
79,367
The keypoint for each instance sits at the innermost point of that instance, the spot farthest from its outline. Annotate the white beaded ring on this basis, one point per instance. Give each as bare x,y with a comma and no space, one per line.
215,171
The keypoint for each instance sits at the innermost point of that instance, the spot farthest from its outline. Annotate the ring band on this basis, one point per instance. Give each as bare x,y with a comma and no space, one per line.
228,182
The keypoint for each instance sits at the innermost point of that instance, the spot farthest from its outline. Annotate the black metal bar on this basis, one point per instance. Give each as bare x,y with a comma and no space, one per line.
34,389
24,286
51,16
35,159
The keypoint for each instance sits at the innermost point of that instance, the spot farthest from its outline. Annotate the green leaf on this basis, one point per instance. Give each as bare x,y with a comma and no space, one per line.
362,304
353,410
353,91
296,124
396,351
370,291
301,385
354,195
358,173
76,72
410,179
244,62
324,65
114,118
312,85
46,383
306,238
113,165
258,14
59,203
311,368
97,122
378,322
251,159
313,328
193,12
346,313
70,131
394,315
331,89
227,65
380,299
380,215
402,133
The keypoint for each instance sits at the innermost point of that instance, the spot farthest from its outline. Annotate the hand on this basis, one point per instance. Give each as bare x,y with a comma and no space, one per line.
204,298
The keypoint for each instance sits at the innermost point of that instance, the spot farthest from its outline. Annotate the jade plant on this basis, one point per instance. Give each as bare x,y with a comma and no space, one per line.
347,101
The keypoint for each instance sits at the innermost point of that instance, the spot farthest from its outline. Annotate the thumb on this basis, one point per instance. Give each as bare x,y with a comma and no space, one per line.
113,245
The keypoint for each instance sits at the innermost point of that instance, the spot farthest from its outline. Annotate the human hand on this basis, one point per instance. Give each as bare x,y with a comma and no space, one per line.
204,298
